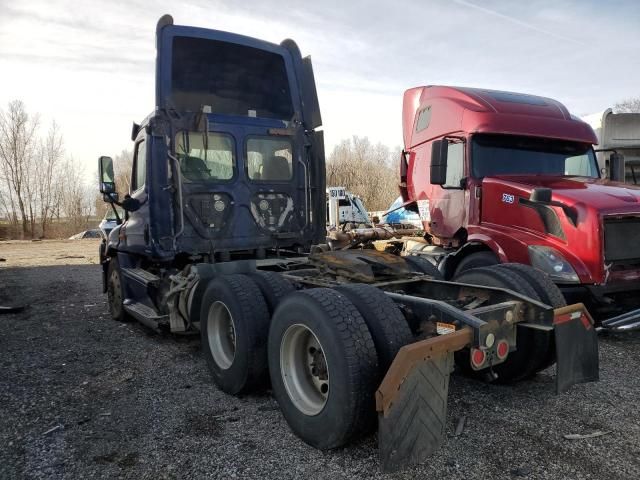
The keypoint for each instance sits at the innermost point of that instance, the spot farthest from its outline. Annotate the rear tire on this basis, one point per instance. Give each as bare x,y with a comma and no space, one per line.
532,346
421,265
274,287
476,260
323,367
387,325
234,326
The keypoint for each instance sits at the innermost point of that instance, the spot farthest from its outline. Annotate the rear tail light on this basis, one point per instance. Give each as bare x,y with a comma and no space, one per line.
478,357
502,349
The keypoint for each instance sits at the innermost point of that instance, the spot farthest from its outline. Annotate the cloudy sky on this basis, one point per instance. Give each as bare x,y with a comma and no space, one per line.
89,64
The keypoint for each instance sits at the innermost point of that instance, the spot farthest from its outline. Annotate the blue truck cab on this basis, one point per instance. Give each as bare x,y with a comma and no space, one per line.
228,166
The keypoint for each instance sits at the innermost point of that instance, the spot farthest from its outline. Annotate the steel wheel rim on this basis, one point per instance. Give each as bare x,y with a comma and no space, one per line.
221,333
304,370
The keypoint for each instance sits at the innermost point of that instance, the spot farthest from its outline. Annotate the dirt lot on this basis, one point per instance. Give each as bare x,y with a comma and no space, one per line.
82,396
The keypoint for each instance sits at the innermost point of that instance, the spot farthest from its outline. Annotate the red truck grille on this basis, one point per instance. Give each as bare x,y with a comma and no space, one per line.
622,239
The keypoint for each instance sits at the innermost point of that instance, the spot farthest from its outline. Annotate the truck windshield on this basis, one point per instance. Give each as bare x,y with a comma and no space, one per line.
510,155
213,160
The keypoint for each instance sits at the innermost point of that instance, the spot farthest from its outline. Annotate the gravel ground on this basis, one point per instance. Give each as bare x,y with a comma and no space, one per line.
82,396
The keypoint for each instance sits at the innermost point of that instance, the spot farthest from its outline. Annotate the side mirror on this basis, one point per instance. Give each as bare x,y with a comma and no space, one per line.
404,165
107,178
616,167
439,150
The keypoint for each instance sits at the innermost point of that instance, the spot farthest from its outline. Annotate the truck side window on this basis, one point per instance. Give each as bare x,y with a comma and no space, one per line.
580,165
455,165
140,167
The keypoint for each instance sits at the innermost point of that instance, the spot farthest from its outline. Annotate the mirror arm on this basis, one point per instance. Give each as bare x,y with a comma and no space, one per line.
112,201
115,212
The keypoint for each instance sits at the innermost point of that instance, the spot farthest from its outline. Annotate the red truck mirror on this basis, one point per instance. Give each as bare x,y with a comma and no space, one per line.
439,150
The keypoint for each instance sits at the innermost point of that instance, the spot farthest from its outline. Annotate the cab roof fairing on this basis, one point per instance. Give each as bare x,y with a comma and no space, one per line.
473,110
167,32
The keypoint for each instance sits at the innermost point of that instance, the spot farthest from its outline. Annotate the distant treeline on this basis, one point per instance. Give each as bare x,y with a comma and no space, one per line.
43,192
41,188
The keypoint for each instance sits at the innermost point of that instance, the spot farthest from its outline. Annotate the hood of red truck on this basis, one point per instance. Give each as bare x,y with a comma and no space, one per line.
574,223
603,195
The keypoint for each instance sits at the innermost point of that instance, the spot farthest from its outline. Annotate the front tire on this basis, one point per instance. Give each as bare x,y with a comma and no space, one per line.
476,260
323,367
116,291
549,294
532,346
422,265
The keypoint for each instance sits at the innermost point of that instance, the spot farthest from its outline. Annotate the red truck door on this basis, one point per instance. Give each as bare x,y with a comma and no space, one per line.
448,203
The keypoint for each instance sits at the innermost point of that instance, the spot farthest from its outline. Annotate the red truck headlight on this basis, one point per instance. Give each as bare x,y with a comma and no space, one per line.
550,261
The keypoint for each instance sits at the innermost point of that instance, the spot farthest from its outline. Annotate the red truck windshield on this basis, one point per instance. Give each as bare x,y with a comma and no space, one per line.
510,155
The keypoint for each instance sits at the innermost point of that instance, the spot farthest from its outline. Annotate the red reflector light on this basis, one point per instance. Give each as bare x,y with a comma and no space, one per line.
502,349
477,357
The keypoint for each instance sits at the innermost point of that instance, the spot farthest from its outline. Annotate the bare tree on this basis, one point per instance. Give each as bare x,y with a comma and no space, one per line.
6,199
77,199
123,164
18,142
48,179
629,105
365,169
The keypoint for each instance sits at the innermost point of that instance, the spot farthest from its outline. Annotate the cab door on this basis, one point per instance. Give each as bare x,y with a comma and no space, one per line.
136,228
448,203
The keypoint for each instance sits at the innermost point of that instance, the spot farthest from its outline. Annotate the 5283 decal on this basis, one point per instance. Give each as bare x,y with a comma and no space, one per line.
508,198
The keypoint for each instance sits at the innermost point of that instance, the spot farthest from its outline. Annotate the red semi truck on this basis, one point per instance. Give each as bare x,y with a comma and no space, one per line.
505,177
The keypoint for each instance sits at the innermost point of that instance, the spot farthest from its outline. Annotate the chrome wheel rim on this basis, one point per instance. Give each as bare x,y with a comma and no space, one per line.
304,369
221,334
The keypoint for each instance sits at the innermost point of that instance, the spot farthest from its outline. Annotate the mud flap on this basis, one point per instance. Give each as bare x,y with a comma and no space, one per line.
414,426
412,400
576,347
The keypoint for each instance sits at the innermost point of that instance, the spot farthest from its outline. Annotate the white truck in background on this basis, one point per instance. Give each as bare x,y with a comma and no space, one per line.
619,133
345,207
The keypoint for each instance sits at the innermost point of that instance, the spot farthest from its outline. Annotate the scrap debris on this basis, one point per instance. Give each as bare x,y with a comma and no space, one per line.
578,436
11,309
460,426
52,429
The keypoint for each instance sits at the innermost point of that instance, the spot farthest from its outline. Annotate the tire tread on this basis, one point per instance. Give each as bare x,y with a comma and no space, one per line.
360,354
421,265
532,347
387,325
274,287
255,313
